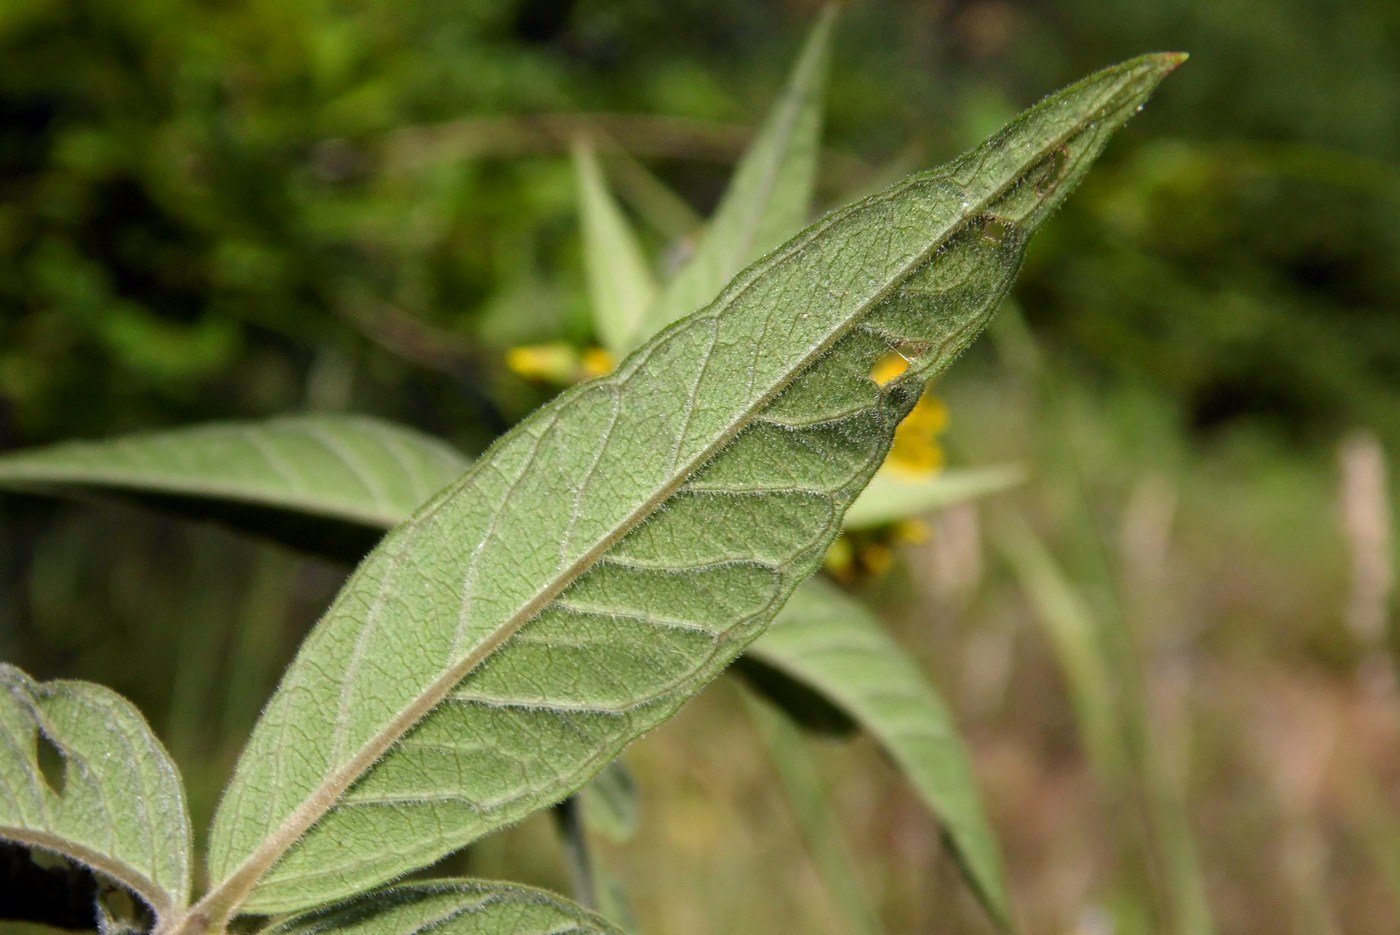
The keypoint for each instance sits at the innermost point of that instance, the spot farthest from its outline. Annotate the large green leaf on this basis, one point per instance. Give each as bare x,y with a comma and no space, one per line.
326,482
809,658
621,545
826,640
769,196
110,799
449,907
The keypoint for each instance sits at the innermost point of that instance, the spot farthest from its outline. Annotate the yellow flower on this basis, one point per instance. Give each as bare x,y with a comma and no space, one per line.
549,363
597,361
558,362
860,556
911,532
916,453
840,560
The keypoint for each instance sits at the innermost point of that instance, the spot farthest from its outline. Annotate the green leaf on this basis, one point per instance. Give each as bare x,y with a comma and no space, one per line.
811,807
620,546
1112,715
609,803
802,703
620,284
825,639
1074,635
110,798
889,497
449,907
768,198
326,482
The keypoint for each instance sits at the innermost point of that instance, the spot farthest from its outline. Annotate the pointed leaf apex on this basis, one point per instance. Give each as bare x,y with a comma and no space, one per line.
1171,61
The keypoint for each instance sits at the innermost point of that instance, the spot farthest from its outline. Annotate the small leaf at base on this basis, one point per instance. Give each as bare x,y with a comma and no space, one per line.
119,806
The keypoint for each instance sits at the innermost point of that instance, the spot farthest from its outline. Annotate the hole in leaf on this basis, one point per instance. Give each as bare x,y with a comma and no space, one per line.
123,913
53,765
1048,174
888,367
996,230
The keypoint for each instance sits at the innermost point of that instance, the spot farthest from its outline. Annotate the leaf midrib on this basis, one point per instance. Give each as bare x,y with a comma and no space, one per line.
222,901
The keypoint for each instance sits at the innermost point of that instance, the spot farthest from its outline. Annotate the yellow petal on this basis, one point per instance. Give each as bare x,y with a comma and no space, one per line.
597,361
554,363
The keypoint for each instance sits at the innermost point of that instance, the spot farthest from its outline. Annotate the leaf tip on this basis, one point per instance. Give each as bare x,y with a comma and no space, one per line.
1171,61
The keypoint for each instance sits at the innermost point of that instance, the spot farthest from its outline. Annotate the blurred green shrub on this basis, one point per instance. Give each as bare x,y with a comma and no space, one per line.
225,209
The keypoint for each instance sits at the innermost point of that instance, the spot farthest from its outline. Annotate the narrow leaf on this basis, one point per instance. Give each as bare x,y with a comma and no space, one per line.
1073,631
111,799
1112,715
832,643
326,482
889,497
620,284
769,195
609,803
811,807
620,546
450,907
803,704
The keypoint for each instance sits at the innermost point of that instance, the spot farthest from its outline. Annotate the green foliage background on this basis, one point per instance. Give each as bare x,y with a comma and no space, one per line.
215,209
203,201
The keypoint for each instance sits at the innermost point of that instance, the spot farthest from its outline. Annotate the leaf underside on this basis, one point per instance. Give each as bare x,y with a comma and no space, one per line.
620,525
113,801
620,546
449,907
236,464
768,200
